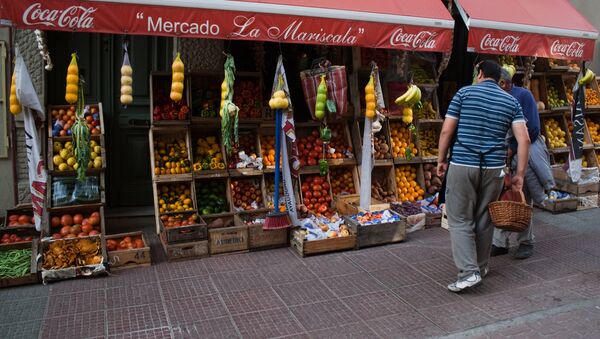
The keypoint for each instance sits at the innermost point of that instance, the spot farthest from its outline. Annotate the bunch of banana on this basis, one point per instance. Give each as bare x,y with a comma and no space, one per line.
587,78
410,97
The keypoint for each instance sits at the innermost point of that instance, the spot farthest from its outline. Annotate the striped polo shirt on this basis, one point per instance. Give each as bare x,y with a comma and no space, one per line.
485,113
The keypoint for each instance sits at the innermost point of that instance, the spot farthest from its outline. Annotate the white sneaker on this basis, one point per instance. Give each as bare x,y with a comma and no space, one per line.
466,282
484,272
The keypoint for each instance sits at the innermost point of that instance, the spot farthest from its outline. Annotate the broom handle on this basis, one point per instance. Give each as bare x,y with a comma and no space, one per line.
277,157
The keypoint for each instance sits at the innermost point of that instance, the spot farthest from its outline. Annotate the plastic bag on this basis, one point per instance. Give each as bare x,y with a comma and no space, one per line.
86,191
62,191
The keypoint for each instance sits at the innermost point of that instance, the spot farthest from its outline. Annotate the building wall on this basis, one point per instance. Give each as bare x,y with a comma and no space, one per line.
6,171
591,10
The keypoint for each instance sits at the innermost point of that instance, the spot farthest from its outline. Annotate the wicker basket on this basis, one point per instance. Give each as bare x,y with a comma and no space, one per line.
511,215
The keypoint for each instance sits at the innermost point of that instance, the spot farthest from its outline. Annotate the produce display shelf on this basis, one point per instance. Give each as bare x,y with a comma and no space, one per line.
129,258
32,276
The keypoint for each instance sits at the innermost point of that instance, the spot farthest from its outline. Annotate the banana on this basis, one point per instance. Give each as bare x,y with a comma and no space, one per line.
402,99
410,100
416,97
429,107
589,75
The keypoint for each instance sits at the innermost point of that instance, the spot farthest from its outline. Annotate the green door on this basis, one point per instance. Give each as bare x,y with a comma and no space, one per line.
128,180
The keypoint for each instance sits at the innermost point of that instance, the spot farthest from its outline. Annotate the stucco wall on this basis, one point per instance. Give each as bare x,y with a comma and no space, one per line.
591,10
6,172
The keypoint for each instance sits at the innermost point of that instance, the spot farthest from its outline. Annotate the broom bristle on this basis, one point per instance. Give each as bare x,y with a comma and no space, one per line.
276,220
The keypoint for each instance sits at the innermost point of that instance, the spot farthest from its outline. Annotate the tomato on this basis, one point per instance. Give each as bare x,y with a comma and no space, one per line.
306,201
317,194
5,236
310,207
312,162
94,220
316,206
302,162
325,193
55,236
301,147
55,222
318,149
317,187
325,185
310,139
13,217
321,199
315,133
24,220
305,187
77,218
66,220
322,209
65,230
93,232
328,198
308,194
82,234
314,200
87,228
318,180
308,180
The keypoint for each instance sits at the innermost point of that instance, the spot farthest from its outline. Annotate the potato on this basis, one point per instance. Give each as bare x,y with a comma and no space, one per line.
436,181
427,175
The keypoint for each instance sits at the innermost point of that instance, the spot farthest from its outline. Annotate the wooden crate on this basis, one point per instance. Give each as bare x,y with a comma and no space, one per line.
51,121
433,220
199,198
169,134
385,176
24,209
129,258
205,90
396,125
90,171
556,81
335,173
186,250
562,205
160,88
208,130
306,248
156,187
32,277
249,100
587,139
249,132
349,205
378,234
423,126
187,233
73,271
340,135
259,239
219,221
538,89
237,204
85,210
310,202
587,201
577,189
561,123
228,239
358,130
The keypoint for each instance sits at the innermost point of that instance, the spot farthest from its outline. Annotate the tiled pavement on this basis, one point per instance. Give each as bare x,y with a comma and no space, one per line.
385,292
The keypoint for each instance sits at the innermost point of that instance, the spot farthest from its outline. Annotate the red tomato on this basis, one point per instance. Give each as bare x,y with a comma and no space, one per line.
312,162
87,228
82,234
305,187
56,236
93,232
317,187
325,185
306,201
66,220
315,133
55,222
318,180
308,194
65,230
317,194
322,209
13,217
77,218
321,199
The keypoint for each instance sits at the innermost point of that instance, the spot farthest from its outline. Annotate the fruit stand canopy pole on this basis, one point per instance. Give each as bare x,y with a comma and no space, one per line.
541,28
420,26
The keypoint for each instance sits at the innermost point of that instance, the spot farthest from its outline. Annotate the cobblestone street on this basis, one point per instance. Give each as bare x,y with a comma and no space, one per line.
384,292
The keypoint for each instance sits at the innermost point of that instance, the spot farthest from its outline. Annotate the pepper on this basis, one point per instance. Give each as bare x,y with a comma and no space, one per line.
325,134
321,99
323,167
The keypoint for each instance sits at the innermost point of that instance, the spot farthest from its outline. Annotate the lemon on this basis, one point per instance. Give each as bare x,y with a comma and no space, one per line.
97,164
57,146
63,167
93,143
69,145
71,161
64,153
57,160
97,149
75,166
93,155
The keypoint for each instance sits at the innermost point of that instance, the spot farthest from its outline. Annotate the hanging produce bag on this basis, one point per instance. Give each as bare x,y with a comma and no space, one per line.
337,87
126,78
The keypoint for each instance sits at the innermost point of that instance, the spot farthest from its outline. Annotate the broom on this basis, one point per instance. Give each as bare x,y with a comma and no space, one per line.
277,219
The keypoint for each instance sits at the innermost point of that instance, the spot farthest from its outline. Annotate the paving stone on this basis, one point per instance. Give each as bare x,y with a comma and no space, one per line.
323,314
252,300
78,302
267,324
376,304
358,330
79,325
21,330
456,316
439,269
548,268
414,253
25,292
187,287
353,284
374,260
304,292
17,310
554,247
399,276
132,295
219,328
516,275
426,294
181,269
132,276
156,333
78,284
228,263
275,257
585,284
189,310
135,318
282,274
582,261
430,235
410,325
331,265
543,231
238,280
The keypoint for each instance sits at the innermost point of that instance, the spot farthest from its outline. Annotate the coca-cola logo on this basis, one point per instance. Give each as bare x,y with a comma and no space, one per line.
507,44
420,40
570,50
75,17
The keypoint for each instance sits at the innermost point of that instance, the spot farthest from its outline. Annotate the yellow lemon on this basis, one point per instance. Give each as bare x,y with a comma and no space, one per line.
63,167
71,161
64,153
57,160
57,146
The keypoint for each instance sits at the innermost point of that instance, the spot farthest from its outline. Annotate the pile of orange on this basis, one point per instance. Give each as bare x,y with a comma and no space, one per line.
267,145
401,141
406,183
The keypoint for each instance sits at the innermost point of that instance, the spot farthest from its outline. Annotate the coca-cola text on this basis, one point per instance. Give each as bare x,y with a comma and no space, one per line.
75,17
506,44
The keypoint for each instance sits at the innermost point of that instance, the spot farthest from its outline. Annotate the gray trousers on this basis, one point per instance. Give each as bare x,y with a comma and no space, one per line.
470,227
538,177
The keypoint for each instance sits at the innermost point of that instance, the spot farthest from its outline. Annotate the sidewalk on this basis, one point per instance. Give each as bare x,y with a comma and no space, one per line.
384,292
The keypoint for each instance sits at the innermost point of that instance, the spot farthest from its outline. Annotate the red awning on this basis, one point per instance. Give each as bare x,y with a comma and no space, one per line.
425,25
543,28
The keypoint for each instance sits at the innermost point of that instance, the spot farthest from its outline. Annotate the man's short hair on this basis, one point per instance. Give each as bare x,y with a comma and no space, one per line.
505,75
490,69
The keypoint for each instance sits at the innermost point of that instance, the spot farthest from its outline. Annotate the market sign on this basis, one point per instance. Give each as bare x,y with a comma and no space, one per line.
541,28
289,21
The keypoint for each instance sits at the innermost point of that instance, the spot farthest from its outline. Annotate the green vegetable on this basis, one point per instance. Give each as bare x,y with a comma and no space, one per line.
15,263
81,137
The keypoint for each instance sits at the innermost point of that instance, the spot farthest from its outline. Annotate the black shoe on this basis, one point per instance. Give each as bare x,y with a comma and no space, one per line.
524,251
496,251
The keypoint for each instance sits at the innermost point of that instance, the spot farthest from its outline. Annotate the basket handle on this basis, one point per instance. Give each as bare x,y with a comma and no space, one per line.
522,197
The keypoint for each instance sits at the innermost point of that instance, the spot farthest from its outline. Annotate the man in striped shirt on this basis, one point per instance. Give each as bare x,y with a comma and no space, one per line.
476,124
